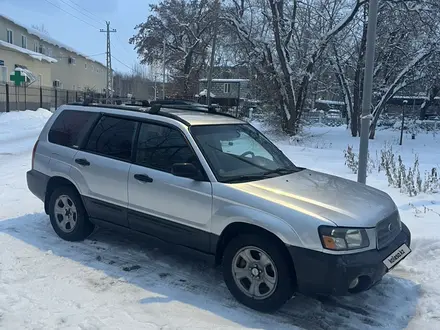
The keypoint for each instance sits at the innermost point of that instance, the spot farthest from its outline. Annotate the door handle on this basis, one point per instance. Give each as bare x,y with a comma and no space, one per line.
143,178
82,161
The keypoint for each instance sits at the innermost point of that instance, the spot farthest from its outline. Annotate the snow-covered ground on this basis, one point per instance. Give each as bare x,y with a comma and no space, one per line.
115,282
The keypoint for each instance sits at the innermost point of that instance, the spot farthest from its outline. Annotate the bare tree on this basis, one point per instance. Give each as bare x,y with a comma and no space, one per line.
286,41
184,29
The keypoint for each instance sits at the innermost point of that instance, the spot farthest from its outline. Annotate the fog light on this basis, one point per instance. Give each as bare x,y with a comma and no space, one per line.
354,283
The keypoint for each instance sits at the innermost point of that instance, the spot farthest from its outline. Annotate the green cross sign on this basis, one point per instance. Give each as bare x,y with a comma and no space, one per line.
17,78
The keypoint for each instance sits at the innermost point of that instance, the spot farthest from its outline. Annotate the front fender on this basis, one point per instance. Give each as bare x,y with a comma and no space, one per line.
229,214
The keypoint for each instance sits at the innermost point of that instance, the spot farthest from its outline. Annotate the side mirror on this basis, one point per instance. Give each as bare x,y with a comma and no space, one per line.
186,170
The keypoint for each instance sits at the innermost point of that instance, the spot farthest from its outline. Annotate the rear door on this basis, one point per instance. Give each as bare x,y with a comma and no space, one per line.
101,168
58,151
173,208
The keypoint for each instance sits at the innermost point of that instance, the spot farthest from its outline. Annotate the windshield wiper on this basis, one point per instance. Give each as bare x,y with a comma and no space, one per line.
242,178
281,170
260,176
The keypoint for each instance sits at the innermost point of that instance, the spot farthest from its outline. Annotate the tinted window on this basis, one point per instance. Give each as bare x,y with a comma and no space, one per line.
160,147
112,137
69,126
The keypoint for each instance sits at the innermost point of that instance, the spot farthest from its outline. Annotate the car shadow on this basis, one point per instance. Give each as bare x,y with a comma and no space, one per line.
176,277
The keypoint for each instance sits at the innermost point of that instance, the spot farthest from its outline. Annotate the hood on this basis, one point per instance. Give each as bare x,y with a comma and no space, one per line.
342,201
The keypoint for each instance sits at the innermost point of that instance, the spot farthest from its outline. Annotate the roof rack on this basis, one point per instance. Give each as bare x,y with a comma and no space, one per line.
155,109
110,106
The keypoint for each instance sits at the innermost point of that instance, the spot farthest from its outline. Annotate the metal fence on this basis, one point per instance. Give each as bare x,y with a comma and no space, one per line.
15,98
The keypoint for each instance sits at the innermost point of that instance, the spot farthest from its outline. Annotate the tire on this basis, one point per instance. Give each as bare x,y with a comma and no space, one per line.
75,226
281,286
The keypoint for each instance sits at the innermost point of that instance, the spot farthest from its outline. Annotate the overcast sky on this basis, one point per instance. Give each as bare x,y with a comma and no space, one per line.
86,38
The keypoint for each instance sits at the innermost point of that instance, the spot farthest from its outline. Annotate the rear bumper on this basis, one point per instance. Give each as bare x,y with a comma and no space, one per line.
37,183
328,274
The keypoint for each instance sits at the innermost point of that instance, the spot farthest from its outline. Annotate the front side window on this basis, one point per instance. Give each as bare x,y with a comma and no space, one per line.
159,147
113,137
239,153
69,127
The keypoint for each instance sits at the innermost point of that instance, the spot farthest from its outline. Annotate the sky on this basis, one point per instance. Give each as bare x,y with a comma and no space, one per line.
82,32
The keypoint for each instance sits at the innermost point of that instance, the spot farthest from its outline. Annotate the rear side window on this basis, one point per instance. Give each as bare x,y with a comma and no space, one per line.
113,137
70,126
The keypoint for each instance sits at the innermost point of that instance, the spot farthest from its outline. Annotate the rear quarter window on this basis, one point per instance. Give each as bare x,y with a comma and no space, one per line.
70,126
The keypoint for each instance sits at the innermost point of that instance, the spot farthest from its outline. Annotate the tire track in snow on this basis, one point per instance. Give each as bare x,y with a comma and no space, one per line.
388,305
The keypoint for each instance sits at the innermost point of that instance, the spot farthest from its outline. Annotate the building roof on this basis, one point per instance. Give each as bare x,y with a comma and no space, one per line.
34,55
330,102
48,39
226,80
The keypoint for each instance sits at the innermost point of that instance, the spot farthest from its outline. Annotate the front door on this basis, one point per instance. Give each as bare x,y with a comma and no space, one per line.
173,208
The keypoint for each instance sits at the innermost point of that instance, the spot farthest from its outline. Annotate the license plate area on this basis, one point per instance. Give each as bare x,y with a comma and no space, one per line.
397,256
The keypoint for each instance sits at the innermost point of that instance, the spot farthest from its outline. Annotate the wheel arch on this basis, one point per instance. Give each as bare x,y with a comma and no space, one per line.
239,228
53,183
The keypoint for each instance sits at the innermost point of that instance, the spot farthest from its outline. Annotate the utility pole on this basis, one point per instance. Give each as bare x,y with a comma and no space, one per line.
368,91
212,60
211,67
108,90
163,71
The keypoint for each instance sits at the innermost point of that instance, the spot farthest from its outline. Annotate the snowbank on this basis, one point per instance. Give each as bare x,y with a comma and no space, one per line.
28,115
20,129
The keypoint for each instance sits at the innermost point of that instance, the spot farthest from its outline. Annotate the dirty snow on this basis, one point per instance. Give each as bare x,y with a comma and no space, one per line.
115,282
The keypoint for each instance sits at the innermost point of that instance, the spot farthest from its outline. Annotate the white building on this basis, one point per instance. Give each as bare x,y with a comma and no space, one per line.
44,61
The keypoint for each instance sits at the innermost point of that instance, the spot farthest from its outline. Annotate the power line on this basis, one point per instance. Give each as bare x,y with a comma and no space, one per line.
93,26
124,64
87,11
89,14
79,11
122,45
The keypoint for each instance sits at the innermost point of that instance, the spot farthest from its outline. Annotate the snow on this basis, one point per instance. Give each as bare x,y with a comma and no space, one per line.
330,102
226,80
114,282
204,93
34,55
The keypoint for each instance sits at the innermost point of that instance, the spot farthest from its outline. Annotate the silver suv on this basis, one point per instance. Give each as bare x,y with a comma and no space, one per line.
213,183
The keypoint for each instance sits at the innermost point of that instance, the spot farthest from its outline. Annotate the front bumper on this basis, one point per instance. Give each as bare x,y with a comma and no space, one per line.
329,274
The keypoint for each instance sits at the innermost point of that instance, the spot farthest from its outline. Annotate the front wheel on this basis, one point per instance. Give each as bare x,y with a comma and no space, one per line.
257,273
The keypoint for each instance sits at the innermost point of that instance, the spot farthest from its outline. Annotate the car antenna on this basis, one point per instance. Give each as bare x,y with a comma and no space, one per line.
155,109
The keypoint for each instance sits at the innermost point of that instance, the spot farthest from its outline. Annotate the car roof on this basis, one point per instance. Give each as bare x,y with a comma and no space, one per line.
186,116
202,118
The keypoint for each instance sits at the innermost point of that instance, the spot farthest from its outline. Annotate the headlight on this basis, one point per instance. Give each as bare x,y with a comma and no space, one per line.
339,239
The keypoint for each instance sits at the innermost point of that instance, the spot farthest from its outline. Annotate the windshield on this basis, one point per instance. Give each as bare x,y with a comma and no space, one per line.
239,153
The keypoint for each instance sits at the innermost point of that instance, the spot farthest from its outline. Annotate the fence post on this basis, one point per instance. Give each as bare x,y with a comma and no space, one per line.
67,96
56,99
7,97
76,96
41,97
25,97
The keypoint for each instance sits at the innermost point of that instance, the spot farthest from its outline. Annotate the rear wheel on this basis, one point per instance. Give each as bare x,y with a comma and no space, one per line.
68,216
257,273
